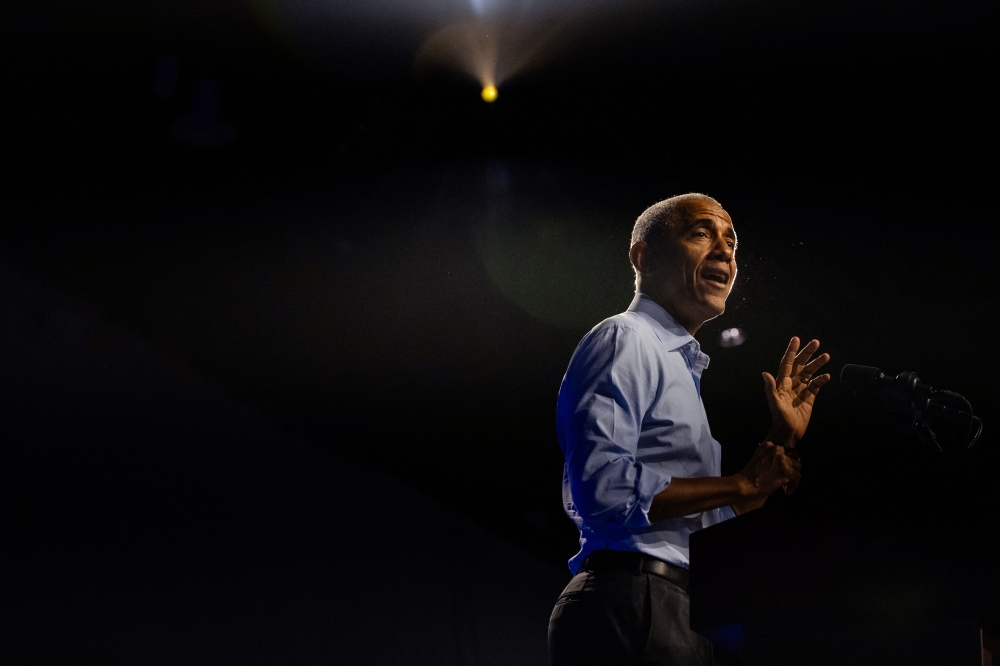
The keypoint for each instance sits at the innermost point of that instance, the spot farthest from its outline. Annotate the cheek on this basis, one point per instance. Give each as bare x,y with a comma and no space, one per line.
691,270
691,273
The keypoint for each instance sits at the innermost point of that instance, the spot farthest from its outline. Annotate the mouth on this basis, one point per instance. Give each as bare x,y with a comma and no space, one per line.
715,276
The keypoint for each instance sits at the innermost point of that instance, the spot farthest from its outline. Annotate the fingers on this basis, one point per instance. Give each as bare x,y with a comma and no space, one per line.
788,360
800,366
796,362
793,472
810,368
773,467
803,356
792,483
790,468
789,455
816,383
809,389
803,369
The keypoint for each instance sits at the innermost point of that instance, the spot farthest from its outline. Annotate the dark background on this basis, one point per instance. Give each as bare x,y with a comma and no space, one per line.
385,271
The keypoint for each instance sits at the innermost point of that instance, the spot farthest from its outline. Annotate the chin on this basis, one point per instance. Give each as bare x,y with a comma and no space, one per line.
713,310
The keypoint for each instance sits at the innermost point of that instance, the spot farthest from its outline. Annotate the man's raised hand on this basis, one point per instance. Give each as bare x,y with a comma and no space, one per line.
792,393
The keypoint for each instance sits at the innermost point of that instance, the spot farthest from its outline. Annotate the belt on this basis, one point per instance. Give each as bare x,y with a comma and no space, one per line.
638,563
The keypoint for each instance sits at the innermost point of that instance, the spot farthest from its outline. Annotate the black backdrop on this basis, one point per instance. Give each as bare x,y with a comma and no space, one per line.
396,273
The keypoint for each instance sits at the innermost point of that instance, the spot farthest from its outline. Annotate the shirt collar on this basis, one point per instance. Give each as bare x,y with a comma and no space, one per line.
670,333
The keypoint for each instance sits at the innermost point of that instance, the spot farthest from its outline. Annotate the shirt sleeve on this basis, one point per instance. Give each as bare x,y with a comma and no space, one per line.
608,388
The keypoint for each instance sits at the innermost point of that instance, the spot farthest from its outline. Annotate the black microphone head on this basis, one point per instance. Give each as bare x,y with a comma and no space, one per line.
860,377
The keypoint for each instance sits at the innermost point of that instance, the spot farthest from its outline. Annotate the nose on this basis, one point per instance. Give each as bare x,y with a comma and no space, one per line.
722,251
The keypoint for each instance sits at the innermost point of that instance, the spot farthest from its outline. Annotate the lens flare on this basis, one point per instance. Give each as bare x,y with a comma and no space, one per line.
732,337
489,94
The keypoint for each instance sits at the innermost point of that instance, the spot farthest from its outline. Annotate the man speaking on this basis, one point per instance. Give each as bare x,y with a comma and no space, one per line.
641,467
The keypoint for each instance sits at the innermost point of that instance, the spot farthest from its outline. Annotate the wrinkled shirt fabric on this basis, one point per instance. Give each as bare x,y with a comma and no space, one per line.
630,418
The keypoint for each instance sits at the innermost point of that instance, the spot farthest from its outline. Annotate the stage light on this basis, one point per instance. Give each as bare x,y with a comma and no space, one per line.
488,50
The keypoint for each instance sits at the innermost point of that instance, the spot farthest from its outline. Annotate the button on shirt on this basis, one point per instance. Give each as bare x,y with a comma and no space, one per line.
629,419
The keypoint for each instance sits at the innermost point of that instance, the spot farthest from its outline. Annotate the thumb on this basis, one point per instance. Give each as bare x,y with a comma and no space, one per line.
769,384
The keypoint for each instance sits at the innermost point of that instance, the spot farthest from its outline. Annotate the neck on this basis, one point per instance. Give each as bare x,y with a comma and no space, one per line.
691,323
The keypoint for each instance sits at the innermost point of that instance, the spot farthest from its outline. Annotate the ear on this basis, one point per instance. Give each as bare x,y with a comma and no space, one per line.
641,256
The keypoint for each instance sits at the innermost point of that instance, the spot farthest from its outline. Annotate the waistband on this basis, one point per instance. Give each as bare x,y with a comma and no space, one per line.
638,563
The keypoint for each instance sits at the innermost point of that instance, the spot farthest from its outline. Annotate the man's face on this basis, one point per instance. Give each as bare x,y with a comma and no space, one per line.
699,266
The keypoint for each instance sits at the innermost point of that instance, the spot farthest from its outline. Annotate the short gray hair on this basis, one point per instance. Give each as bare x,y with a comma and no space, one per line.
652,226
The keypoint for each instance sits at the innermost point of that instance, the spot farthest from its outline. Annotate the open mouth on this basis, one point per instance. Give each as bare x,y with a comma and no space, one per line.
717,276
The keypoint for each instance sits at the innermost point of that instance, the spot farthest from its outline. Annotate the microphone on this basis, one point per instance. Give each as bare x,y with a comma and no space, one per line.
938,417
865,379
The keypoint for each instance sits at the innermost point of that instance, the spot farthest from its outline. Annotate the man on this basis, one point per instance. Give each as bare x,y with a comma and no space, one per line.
641,467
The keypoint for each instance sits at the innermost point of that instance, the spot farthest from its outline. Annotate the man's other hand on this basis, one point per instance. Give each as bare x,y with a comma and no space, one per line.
792,393
770,468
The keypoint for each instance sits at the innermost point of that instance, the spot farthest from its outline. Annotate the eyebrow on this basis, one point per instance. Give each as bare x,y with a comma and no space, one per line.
708,221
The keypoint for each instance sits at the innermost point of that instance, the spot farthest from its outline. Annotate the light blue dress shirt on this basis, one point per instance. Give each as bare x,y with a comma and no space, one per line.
629,419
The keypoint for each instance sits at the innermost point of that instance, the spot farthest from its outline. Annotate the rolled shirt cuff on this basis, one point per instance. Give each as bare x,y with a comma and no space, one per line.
648,484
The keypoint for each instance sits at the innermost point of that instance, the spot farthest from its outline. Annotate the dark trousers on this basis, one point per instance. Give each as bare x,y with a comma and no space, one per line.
620,615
